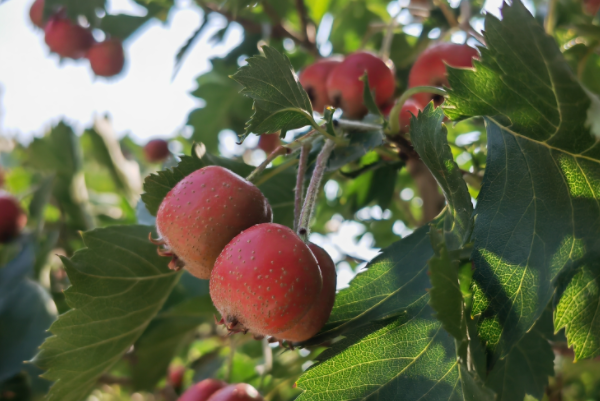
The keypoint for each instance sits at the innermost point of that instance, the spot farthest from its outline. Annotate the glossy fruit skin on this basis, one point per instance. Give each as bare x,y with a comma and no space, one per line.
66,38
36,13
237,392
409,108
202,391
204,211
345,88
265,280
314,78
317,316
12,217
156,150
269,142
430,67
591,7
106,58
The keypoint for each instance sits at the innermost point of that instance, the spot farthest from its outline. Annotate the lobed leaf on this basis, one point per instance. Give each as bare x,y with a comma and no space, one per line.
119,284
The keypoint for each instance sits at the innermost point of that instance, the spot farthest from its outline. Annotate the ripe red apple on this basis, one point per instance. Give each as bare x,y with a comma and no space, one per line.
36,13
314,78
106,58
345,88
430,68
156,150
66,38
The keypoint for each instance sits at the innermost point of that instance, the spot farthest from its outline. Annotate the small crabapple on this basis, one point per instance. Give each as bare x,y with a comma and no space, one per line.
66,38
106,58
156,150
430,68
345,88
175,376
203,212
12,217
237,392
314,78
203,390
36,13
265,280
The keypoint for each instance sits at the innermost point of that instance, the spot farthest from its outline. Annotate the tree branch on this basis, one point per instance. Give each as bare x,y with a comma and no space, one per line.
303,14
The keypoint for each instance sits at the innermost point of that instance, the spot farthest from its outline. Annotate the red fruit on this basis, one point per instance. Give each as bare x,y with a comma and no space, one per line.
67,39
316,318
176,376
269,142
237,392
12,218
36,13
591,7
430,68
203,390
156,150
314,78
203,212
409,108
265,280
345,88
106,58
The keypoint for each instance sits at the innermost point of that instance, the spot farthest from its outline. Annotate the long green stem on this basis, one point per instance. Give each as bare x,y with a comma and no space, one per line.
394,121
299,195
313,189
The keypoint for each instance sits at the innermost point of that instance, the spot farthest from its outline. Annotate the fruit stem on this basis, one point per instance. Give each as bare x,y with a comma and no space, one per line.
394,121
230,359
299,191
356,125
313,189
274,171
280,150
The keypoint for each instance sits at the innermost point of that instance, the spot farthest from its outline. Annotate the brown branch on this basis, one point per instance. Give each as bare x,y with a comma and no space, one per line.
303,14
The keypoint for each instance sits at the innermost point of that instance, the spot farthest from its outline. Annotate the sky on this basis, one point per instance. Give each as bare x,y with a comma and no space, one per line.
36,90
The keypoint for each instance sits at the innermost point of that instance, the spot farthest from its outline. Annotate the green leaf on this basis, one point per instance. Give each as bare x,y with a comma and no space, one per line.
75,8
393,281
429,137
280,102
411,358
123,26
369,99
539,207
119,283
526,368
279,189
578,308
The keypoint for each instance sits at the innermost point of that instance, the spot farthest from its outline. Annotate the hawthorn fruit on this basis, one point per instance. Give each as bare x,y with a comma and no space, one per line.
269,142
314,78
12,217
430,68
156,150
202,391
345,88
236,392
106,58
409,108
203,213
265,280
66,38
317,316
175,376
591,7
36,13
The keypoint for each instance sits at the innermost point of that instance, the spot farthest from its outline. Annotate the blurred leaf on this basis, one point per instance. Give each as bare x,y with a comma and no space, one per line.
538,209
119,283
278,189
122,26
578,308
40,199
75,8
280,102
429,137
369,99
26,312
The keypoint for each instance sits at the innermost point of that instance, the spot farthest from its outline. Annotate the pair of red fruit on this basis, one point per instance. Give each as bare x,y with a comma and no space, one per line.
263,278
71,40
217,390
337,83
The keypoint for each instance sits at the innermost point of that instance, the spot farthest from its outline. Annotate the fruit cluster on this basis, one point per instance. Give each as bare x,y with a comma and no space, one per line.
264,278
71,40
336,82
216,390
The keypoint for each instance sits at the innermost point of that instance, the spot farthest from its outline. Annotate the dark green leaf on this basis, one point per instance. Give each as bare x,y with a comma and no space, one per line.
278,189
369,98
75,8
280,102
578,308
429,137
539,206
119,284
